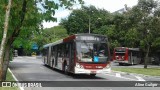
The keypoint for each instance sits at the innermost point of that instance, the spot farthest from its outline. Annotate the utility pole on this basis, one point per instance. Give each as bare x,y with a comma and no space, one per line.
89,22
89,25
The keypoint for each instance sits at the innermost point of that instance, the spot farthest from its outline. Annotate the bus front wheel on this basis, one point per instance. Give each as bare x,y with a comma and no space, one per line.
66,69
92,75
121,64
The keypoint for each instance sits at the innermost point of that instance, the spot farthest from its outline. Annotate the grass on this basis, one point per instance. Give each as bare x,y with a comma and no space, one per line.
148,71
9,78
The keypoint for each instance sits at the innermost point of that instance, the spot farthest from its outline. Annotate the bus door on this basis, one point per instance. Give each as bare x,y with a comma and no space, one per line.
52,56
49,56
130,57
135,56
45,54
71,56
60,56
56,56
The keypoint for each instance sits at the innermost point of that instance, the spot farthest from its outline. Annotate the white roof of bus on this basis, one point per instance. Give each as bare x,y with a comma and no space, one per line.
135,49
60,41
54,43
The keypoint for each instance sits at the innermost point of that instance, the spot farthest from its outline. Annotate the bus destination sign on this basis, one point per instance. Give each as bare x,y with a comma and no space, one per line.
91,38
120,49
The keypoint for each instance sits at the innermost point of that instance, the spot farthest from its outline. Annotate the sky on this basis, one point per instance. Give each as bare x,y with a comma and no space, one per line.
109,5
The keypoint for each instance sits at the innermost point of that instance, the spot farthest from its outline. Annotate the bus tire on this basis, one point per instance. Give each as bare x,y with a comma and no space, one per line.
52,62
66,69
92,75
121,64
44,60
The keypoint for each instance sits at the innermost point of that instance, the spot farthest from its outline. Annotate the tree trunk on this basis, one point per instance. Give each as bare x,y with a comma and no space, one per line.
6,61
146,57
3,43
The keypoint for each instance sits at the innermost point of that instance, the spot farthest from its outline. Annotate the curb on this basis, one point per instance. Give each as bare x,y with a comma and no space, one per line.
21,88
135,74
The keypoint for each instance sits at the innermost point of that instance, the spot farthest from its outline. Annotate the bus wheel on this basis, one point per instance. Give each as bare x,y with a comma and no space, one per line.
121,64
66,69
44,61
92,75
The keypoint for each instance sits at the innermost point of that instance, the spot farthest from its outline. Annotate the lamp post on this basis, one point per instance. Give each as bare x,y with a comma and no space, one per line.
89,25
54,33
89,22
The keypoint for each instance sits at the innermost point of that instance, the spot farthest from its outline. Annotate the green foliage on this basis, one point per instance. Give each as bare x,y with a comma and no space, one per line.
78,20
46,36
137,27
156,43
131,38
26,19
49,35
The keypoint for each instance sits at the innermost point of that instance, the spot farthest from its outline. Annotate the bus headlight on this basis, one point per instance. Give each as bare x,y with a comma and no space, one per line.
108,66
123,57
78,65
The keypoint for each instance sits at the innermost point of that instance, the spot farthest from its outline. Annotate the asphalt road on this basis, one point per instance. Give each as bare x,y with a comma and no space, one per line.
32,69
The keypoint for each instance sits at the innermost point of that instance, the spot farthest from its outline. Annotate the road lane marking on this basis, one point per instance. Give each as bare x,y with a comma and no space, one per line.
118,75
42,67
21,88
122,77
19,57
140,78
12,74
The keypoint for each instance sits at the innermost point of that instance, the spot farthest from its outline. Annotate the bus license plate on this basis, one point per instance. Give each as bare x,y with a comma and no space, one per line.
93,71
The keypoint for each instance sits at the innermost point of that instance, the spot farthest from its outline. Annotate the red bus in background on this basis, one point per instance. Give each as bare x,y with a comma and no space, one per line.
79,54
125,55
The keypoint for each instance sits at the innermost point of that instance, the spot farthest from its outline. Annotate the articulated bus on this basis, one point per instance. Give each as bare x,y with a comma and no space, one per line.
79,54
124,55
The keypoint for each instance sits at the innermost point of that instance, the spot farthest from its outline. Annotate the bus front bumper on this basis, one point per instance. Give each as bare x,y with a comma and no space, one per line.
92,71
117,61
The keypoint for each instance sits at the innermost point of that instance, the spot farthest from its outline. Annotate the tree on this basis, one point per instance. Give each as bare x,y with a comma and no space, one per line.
80,20
49,35
4,36
139,27
26,17
146,28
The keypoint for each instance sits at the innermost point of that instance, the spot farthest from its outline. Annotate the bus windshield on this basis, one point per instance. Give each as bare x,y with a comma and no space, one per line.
92,52
120,51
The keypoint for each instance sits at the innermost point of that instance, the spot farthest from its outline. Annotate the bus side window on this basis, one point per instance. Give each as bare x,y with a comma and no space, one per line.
63,50
129,52
67,50
59,51
72,49
44,52
52,50
134,53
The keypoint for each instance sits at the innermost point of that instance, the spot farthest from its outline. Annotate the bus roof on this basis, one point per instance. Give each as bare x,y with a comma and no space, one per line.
72,37
133,49
87,34
54,43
